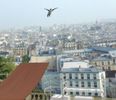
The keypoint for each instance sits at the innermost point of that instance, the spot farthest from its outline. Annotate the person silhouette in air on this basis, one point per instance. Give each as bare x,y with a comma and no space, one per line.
50,11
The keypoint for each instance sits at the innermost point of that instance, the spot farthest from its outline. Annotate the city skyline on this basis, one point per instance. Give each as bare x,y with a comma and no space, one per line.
31,12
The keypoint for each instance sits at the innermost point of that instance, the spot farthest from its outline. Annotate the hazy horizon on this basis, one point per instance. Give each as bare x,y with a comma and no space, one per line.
20,13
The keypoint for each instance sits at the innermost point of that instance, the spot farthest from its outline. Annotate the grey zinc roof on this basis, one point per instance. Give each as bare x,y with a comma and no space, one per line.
103,49
81,70
102,59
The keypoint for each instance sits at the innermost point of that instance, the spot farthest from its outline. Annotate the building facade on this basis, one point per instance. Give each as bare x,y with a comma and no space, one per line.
83,82
106,63
111,84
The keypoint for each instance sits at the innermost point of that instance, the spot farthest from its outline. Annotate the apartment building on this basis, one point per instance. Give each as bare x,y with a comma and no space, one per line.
82,81
104,62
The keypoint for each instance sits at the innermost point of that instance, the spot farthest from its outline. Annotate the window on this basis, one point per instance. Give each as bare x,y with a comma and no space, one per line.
64,92
83,93
71,93
95,64
82,76
70,76
95,84
96,94
102,63
77,93
76,84
76,76
89,84
64,77
114,61
89,94
36,97
32,96
108,62
103,68
88,76
70,83
94,76
82,84
110,80
41,97
109,68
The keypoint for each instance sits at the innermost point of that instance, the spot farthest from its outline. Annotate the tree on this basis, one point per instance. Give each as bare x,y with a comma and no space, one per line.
25,59
7,65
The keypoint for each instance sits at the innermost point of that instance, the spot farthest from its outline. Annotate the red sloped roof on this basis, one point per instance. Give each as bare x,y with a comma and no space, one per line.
22,81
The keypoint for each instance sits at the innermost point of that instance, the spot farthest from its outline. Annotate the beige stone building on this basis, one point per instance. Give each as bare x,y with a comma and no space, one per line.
104,63
39,96
72,46
50,59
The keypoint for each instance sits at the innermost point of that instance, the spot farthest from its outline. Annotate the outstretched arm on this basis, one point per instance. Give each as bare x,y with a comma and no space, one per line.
46,9
54,9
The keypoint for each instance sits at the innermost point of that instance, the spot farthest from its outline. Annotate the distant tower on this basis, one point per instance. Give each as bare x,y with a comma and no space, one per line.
40,29
96,22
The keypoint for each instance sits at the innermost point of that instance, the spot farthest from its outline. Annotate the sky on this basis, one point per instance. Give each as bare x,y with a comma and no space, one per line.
20,13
